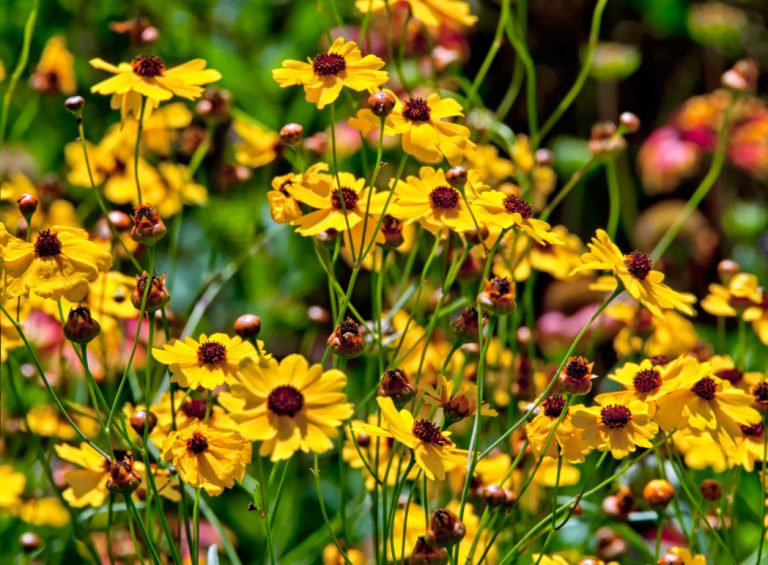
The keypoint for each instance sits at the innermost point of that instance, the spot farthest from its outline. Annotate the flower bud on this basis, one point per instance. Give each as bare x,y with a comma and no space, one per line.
742,77
80,327
122,478
457,176
620,504
576,377
30,541
347,339
494,495
120,220
318,314
157,296
381,103
544,157
75,105
247,325
671,559
396,384
27,204
425,554
292,134
148,227
141,419
392,230
327,237
498,296
630,122
604,140
445,529
658,493
710,490
727,268
466,326
214,105
475,236
591,561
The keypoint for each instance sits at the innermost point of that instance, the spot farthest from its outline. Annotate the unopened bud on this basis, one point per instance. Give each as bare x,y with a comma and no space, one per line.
544,157
148,227
658,493
576,377
141,419
495,495
381,103
710,490
396,384
122,478
292,134
457,176
120,220
347,339
467,326
247,326
425,554
742,77
498,296
630,122
75,105
214,105
760,395
80,327
392,230
727,268
157,295
671,559
445,529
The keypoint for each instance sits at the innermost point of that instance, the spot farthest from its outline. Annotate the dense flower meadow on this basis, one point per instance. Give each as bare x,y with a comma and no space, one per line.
426,318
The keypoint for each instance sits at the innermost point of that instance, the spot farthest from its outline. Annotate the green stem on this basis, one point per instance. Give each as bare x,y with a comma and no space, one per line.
492,51
614,196
343,553
142,527
139,130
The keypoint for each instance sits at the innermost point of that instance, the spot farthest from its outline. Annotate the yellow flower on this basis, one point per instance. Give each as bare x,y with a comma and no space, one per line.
749,447
741,291
208,458
430,200
471,523
617,427
701,451
9,337
56,70
174,190
288,406
433,13
494,208
88,484
426,134
324,76
13,487
332,556
2,71
256,146
46,421
707,403
208,363
47,511
647,381
549,559
283,207
758,317
650,335
146,76
405,534
331,201
687,557
368,447
635,272
433,449
567,436
724,367
58,264
484,158
557,260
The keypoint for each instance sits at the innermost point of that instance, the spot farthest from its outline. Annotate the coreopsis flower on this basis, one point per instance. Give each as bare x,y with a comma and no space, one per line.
709,404
208,362
485,159
650,335
88,483
332,556
741,291
635,272
56,70
619,427
681,555
556,260
567,436
336,207
283,206
288,406
13,487
701,451
724,367
576,376
324,76
422,123
749,447
430,200
256,146
647,380
407,529
433,13
369,447
175,190
208,458
757,315
456,404
433,449
495,208
58,263
47,511
146,77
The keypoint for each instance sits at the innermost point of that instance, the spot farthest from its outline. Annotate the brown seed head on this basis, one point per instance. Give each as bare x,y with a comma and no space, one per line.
148,66
285,400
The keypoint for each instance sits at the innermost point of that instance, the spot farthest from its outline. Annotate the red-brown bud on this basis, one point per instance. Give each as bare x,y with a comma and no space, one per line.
141,419
214,105
80,327
658,493
576,377
396,384
467,326
392,230
75,105
122,478
347,339
292,134
498,296
727,268
445,529
381,103
30,542
630,122
247,326
425,554
27,204
711,490
457,176
148,227
157,295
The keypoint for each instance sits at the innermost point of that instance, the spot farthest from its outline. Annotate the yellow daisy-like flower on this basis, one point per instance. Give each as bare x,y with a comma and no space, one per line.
256,146
647,381
618,427
635,272
58,263
495,208
485,159
283,207
749,447
724,367
741,291
48,511
757,315
175,190
331,201
430,200
422,123
208,363
146,76
88,484
288,406
566,435
324,76
701,451
13,487
707,403
687,557
368,447
208,458
56,70
650,335
433,13
433,449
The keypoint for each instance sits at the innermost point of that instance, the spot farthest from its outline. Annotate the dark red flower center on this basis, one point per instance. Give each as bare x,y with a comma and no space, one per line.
390,225
753,431
638,264
553,405
647,380
660,360
47,244
615,416
705,388
502,285
327,64
285,400
577,367
428,432
444,198
760,392
416,110
513,204
194,408
731,375
349,196
148,66
211,353
197,443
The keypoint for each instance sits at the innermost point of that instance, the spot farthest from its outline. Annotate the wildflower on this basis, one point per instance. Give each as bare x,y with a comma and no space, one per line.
148,227
647,334
724,367
283,206
332,556
445,529
576,376
59,262
88,484
288,406
208,363
424,553
757,315
648,381
658,493
566,435
13,487
456,405
27,204
433,449
557,260
681,556
430,200
142,420
208,458
347,339
174,190
56,70
146,76
324,76
708,404
256,146
157,295
495,208
80,327
381,103
498,296
432,13
466,325
422,123
122,478
617,428
740,291
396,384
635,272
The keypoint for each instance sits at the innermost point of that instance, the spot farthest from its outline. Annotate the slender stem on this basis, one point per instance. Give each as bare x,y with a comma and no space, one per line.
137,517
339,187
762,499
614,196
530,80
343,553
492,51
139,130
